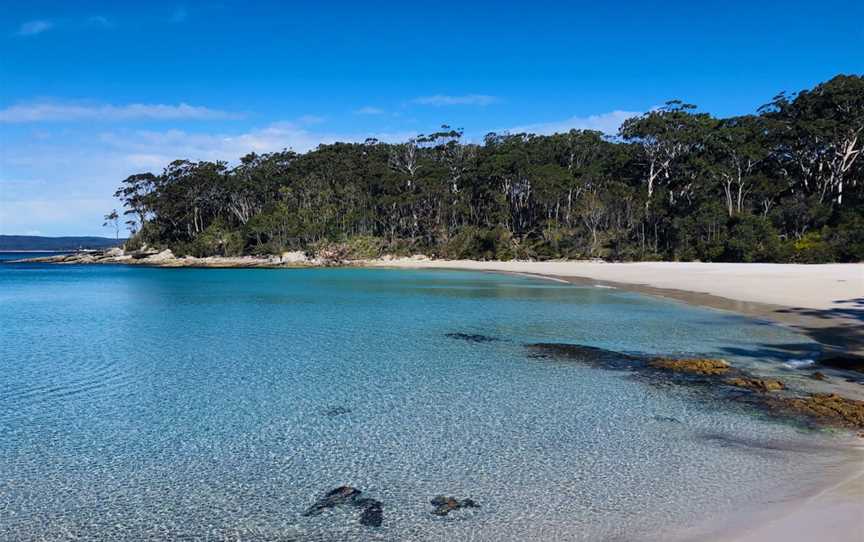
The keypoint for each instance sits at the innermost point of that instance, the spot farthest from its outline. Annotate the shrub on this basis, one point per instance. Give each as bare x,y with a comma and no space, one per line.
811,248
751,239
847,238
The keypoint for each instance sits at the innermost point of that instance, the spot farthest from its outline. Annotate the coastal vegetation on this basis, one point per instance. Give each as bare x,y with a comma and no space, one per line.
783,184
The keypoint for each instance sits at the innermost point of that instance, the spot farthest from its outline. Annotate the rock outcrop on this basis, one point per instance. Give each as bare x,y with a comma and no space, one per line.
372,510
444,505
757,384
713,376
163,256
336,497
472,337
829,408
694,365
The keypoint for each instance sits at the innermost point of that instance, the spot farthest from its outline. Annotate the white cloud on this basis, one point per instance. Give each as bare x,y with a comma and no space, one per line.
469,99
70,193
58,112
154,150
369,110
607,123
32,28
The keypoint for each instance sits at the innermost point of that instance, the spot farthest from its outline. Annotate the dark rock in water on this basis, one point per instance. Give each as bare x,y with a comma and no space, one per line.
444,505
336,411
585,354
669,419
829,408
757,384
714,378
373,512
469,503
697,366
339,496
846,363
818,376
473,337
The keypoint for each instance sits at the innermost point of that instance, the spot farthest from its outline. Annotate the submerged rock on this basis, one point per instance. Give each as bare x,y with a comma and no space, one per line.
373,512
846,363
444,505
757,384
586,354
818,376
821,408
332,412
693,366
336,497
472,337
828,408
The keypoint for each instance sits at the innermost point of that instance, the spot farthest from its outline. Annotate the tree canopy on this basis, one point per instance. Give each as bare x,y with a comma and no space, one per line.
782,184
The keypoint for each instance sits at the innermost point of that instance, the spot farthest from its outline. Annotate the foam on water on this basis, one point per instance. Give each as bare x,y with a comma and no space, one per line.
219,404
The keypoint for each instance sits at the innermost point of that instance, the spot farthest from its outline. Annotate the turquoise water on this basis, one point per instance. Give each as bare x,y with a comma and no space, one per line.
140,403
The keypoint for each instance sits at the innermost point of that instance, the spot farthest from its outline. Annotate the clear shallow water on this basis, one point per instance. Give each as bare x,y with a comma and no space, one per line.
168,403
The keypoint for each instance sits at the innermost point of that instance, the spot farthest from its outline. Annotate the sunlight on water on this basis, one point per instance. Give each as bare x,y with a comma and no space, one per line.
220,404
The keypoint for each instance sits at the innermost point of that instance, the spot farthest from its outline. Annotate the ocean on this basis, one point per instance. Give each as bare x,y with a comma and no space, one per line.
219,404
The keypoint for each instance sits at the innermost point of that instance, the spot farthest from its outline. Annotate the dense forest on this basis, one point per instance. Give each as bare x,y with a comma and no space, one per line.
784,184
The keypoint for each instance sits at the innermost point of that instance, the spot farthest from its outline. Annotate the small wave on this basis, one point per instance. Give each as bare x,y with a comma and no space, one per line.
799,363
605,287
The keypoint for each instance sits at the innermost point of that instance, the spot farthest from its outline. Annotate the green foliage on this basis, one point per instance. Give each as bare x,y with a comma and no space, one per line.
703,234
751,239
847,238
481,244
811,248
365,247
784,184
216,240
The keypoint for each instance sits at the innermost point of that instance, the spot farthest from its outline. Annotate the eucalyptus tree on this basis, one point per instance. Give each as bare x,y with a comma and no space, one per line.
739,149
820,134
112,220
665,136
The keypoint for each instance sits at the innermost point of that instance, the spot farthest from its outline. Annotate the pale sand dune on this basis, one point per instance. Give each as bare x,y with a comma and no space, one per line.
825,302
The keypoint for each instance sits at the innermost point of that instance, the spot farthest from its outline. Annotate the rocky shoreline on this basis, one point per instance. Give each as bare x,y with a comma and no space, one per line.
721,380
166,258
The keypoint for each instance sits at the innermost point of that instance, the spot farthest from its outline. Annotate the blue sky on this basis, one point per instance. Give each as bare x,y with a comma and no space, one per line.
91,92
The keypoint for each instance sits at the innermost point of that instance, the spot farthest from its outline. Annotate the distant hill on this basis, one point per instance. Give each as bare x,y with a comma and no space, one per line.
32,242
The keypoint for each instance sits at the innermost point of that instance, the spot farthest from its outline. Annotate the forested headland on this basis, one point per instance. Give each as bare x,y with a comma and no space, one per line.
783,184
